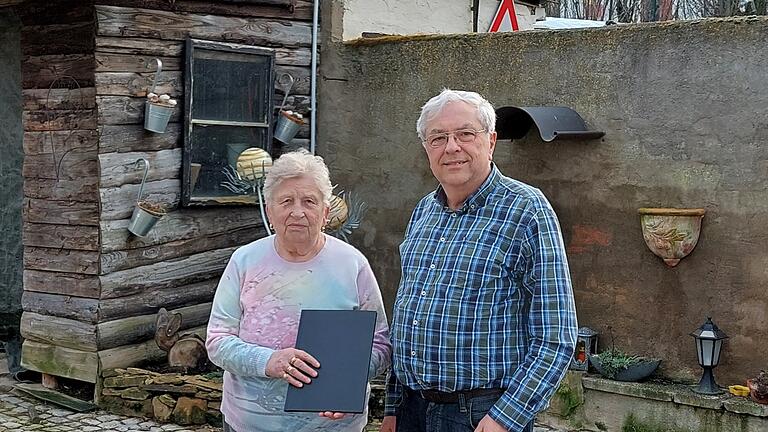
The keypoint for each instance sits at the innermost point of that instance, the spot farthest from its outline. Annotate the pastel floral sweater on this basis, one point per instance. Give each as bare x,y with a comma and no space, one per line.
256,311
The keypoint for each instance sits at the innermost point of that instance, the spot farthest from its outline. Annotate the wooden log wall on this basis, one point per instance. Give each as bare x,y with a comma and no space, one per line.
91,289
61,182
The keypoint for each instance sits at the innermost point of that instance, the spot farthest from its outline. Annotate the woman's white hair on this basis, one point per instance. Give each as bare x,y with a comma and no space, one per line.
485,112
299,163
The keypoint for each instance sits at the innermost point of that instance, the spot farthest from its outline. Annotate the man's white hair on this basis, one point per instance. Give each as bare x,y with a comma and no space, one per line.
485,112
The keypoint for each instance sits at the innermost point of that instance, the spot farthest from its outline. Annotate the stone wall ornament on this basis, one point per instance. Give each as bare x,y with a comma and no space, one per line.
671,233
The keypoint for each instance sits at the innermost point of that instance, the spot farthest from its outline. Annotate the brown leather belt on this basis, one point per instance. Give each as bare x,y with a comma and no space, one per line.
453,397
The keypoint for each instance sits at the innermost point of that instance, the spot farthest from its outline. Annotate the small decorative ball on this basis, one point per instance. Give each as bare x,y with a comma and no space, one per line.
251,161
337,213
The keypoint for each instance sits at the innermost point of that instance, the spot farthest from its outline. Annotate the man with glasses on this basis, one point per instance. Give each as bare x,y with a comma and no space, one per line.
484,322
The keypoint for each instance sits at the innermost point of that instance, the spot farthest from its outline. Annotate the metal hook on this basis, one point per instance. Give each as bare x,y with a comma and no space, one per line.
157,74
286,87
144,179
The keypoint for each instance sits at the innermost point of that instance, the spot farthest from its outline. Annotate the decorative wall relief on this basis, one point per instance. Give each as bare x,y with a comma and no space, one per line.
671,233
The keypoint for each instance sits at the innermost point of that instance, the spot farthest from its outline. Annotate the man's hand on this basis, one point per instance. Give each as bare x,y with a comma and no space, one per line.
388,424
488,424
292,365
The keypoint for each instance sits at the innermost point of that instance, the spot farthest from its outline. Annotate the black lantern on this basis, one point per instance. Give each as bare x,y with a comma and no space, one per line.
586,345
709,342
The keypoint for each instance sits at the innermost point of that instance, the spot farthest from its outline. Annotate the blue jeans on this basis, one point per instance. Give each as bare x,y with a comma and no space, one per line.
416,414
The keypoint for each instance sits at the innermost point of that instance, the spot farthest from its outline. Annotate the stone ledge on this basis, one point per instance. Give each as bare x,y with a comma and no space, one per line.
677,393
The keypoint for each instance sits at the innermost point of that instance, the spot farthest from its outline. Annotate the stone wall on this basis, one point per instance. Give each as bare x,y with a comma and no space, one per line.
588,403
683,105
170,397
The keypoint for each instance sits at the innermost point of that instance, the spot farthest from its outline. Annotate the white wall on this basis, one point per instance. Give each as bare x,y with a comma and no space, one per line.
405,17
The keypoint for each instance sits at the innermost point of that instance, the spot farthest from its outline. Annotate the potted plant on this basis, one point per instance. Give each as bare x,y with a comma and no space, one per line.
617,365
145,216
758,388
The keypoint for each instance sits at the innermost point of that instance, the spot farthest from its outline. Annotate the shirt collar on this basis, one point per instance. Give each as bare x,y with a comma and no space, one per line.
477,199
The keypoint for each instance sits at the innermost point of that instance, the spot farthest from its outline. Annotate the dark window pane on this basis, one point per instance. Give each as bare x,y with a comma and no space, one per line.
214,151
230,86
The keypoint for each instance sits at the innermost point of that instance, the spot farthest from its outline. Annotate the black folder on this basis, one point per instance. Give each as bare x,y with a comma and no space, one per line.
341,340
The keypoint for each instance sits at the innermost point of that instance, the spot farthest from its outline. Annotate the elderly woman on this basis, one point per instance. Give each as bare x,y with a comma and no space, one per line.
255,315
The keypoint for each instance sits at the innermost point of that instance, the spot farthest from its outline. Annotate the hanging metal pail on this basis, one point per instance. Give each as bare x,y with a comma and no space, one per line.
142,221
287,127
156,117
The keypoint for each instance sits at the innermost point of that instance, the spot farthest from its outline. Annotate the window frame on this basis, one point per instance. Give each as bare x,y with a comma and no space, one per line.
187,200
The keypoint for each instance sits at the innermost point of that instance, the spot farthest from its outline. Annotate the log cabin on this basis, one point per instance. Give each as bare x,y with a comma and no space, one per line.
91,289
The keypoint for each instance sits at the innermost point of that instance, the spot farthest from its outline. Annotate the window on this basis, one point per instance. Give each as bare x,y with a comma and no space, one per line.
228,109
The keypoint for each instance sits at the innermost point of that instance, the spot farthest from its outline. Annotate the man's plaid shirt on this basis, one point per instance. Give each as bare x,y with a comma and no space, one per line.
485,300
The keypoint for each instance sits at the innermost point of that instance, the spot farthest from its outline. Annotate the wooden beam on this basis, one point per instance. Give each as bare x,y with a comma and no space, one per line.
63,332
60,212
149,302
134,138
302,9
58,99
182,224
67,165
119,110
61,260
60,361
61,236
55,70
64,306
118,202
165,274
120,168
126,331
133,22
131,355
119,59
144,49
55,12
131,258
67,284
57,120
69,38
59,142
81,190
138,84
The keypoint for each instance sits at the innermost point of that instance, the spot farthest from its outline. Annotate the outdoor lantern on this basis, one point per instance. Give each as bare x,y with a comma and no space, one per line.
709,342
586,345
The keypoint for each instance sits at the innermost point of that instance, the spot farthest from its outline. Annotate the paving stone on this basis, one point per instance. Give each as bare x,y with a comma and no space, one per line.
90,428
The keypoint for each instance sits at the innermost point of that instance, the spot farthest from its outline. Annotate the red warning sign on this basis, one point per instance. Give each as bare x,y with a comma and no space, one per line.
505,18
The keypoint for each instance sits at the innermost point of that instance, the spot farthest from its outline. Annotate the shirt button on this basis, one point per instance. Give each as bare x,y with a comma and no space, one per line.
472,206
415,322
442,239
423,293
432,266
453,215
413,353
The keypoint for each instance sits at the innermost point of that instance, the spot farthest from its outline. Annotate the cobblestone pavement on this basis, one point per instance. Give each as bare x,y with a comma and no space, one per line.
20,413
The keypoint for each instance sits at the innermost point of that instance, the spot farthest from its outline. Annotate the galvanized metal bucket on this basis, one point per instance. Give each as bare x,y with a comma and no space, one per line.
287,127
156,117
142,221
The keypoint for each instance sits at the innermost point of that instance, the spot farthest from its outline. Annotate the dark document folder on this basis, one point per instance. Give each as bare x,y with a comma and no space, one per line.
341,340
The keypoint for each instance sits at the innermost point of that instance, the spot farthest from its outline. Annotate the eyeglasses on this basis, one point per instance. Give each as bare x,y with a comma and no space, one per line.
461,135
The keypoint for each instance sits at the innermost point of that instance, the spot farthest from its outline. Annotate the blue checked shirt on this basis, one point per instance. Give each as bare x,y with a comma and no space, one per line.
485,300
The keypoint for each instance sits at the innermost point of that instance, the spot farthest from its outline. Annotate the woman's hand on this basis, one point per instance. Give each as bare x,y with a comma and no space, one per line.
332,415
292,365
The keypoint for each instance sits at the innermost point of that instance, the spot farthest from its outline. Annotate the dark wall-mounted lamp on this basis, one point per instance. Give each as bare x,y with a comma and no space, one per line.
709,342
